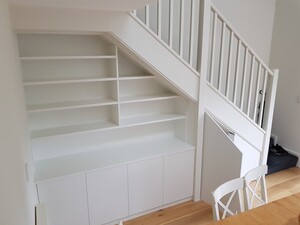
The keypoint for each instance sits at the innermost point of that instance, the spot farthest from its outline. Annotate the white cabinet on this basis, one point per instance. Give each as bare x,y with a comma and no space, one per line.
65,200
93,111
113,193
145,180
107,194
178,176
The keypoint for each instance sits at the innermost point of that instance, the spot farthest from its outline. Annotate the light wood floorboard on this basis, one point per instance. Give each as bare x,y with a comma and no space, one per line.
279,185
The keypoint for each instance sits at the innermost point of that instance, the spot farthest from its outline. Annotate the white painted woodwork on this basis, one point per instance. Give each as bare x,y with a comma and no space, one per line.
107,191
171,22
178,176
113,23
218,151
109,5
238,89
127,103
125,152
214,34
229,63
251,155
229,114
268,117
257,92
262,103
220,72
237,66
90,123
159,21
65,200
244,78
192,32
204,55
250,84
181,35
145,182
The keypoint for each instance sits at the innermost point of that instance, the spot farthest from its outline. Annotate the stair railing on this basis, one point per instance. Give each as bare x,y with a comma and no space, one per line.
237,72
234,69
175,24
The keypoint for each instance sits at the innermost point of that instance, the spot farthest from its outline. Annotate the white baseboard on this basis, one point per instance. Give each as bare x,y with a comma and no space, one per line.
294,153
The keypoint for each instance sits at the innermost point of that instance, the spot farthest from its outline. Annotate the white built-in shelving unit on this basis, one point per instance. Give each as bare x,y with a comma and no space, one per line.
91,108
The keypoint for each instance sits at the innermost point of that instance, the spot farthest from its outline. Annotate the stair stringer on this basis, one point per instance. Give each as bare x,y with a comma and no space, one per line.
226,112
155,56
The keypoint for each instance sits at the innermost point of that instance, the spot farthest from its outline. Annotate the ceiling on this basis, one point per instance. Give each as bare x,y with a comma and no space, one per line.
111,5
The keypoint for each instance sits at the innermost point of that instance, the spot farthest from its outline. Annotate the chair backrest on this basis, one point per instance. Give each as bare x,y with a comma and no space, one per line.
223,196
255,191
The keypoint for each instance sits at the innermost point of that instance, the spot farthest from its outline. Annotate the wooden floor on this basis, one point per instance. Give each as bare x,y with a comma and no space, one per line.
279,185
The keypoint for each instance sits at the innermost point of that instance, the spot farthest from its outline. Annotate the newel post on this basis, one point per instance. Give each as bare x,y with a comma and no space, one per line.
270,104
202,67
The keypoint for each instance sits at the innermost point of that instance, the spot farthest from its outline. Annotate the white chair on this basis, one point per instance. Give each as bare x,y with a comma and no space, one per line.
224,204
255,191
120,223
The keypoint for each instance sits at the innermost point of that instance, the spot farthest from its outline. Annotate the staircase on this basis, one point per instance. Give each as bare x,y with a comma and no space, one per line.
236,77
240,88
191,48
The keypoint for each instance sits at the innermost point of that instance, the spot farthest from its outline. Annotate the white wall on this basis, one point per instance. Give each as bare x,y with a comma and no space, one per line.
253,19
16,194
285,55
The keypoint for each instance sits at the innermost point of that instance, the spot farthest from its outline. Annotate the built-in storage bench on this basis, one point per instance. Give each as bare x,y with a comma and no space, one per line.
108,141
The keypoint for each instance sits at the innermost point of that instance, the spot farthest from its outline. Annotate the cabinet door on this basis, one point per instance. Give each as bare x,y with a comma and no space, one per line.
145,185
107,195
178,176
65,200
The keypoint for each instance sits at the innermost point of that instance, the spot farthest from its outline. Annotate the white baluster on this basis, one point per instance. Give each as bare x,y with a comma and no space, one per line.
250,85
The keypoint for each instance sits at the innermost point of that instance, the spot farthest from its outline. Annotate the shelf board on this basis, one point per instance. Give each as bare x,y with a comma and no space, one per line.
91,127
149,119
121,153
67,57
69,105
66,80
73,129
145,98
136,77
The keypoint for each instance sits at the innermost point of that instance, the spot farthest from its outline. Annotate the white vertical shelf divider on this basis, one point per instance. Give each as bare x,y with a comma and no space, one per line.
118,84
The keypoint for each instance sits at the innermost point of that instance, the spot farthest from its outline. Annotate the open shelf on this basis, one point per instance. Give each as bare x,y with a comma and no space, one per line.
97,126
69,105
147,97
72,129
124,152
148,119
144,77
90,106
47,81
